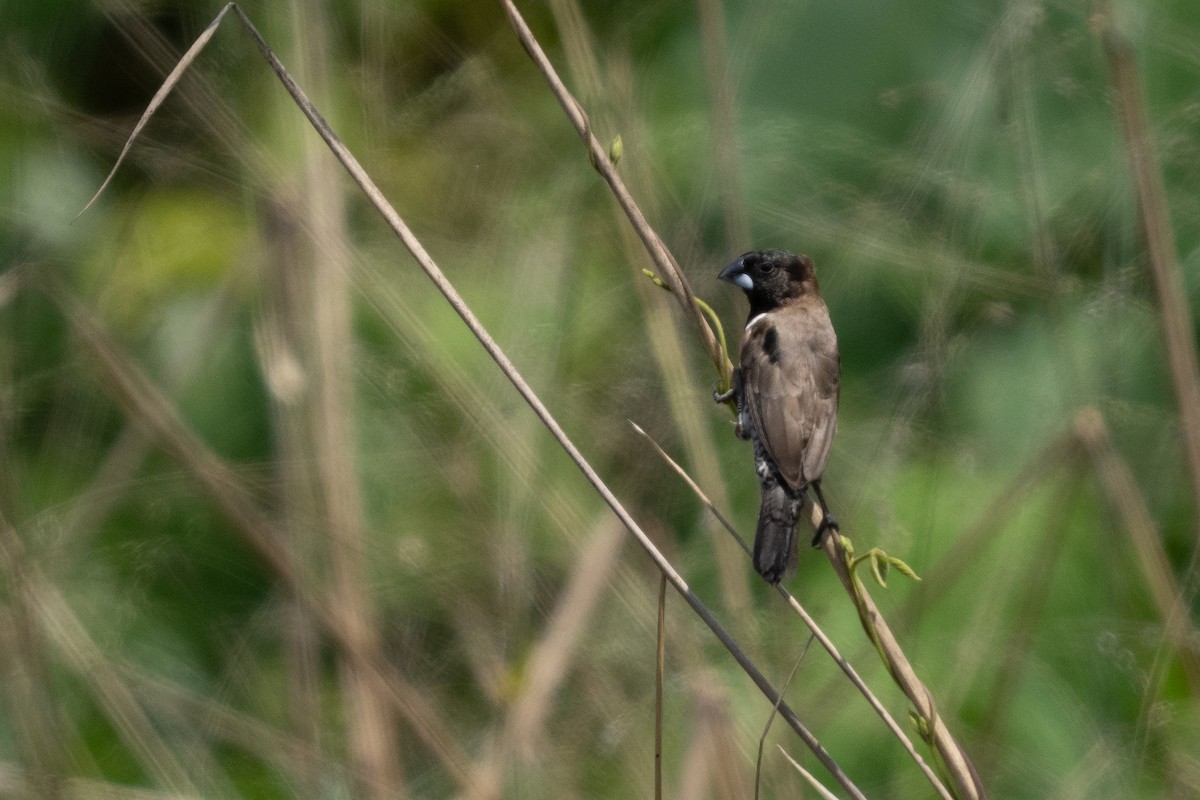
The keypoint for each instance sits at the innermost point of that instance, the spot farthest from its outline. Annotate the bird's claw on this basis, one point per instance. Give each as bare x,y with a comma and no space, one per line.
828,523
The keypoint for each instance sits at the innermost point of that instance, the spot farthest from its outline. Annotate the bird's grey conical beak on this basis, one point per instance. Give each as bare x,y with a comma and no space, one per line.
735,274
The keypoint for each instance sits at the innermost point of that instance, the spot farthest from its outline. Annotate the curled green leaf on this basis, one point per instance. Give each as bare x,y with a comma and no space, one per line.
879,568
881,563
616,149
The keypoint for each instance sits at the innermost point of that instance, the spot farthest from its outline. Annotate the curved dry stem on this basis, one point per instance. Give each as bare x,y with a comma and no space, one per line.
604,165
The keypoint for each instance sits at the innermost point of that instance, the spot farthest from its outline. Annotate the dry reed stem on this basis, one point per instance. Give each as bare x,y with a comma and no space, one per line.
547,665
660,663
762,740
716,734
279,348
370,722
668,346
1155,218
434,273
811,624
663,259
808,776
613,86
710,766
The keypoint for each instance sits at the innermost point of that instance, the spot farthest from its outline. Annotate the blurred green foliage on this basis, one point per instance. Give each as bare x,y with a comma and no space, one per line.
956,172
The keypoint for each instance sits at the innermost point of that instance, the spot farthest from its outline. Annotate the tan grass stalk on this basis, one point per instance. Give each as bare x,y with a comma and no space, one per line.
667,266
715,729
964,780
279,337
522,735
1155,218
762,740
369,720
808,776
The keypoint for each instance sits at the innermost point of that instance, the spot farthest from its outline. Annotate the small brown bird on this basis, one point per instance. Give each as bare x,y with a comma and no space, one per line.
786,388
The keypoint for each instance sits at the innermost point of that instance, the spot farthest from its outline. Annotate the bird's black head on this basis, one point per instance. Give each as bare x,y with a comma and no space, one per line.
771,277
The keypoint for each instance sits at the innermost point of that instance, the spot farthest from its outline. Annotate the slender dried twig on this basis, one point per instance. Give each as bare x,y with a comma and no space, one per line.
808,776
434,273
654,244
331,436
1177,323
660,667
762,740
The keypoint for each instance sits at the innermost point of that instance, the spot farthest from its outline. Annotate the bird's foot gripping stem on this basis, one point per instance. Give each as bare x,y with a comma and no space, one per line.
828,520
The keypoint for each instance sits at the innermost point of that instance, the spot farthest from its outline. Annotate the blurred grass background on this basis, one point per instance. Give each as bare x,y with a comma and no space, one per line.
957,173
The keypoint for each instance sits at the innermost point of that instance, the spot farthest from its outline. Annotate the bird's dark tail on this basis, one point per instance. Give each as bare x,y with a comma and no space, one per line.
775,539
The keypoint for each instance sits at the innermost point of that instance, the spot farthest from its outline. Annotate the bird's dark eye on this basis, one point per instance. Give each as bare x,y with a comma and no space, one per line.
767,267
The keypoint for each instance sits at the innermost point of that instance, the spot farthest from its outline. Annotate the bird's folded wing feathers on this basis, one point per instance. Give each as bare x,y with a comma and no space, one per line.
792,393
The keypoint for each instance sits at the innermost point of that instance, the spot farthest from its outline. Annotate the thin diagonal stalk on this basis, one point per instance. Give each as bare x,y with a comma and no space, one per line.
654,244
331,434
1155,218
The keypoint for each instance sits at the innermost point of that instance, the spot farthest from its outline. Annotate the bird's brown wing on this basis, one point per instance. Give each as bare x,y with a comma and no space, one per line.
791,374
